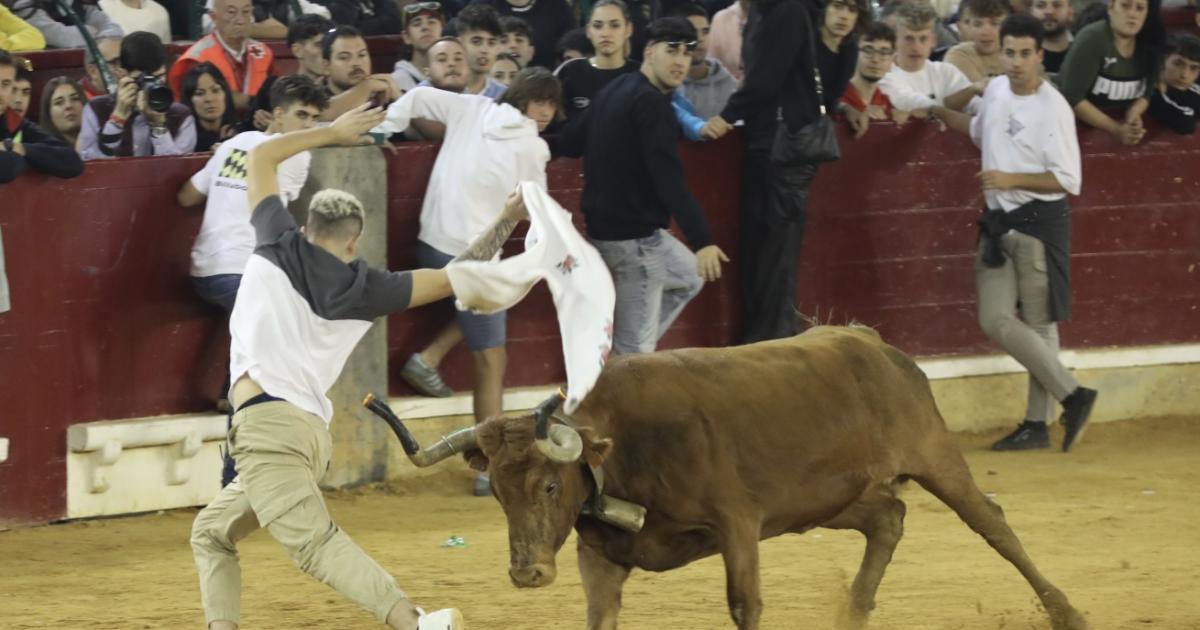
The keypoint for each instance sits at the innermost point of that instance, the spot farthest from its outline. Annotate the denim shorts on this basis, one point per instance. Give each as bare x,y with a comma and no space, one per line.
480,331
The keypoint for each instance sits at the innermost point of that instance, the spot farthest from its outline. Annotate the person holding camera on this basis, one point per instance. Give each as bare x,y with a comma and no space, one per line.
142,118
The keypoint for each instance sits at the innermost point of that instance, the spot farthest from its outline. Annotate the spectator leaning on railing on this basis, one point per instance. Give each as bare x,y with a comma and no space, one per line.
140,119
246,63
708,84
1110,69
22,144
61,111
59,27
1176,100
207,95
17,34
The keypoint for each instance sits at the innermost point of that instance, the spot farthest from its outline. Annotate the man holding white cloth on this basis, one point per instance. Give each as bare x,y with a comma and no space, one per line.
1031,161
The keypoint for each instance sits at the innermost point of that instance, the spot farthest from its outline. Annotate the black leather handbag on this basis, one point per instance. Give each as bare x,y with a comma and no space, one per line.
813,143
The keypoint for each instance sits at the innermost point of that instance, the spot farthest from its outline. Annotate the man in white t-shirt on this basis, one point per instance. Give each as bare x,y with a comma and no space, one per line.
914,84
306,301
226,238
1031,162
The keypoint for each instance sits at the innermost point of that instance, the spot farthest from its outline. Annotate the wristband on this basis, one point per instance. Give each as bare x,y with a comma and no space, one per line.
117,120
158,131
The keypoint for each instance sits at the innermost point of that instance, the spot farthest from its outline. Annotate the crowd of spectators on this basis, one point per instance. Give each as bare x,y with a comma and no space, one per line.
1114,64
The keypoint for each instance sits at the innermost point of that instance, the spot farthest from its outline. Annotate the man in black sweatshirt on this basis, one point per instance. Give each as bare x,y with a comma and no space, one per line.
778,59
22,144
634,183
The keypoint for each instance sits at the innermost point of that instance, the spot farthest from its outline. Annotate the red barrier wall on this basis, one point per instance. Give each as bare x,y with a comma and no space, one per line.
104,324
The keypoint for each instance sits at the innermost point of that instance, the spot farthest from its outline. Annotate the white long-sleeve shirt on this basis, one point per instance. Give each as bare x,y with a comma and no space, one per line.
924,88
1027,134
488,149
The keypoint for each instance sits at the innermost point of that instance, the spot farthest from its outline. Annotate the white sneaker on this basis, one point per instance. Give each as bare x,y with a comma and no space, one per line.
444,619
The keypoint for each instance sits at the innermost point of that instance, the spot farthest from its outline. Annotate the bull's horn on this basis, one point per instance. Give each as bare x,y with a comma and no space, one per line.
456,442
559,443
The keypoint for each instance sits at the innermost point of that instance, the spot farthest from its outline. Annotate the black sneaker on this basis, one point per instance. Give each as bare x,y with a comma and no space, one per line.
1028,436
1076,409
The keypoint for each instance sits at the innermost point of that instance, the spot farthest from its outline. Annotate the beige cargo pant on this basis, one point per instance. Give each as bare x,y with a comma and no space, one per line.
1022,286
281,453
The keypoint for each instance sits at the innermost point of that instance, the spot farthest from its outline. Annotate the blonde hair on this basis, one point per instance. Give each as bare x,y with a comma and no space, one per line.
916,15
335,213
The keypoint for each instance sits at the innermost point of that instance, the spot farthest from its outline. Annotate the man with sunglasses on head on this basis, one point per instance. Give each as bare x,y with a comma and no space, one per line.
423,23
634,184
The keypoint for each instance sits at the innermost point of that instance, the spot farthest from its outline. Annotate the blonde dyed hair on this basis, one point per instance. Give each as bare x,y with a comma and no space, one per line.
335,213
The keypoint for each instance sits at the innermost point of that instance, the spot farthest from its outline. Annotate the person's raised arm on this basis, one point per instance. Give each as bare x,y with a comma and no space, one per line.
264,159
955,120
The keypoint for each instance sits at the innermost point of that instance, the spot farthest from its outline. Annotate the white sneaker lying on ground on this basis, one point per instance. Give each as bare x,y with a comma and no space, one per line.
444,619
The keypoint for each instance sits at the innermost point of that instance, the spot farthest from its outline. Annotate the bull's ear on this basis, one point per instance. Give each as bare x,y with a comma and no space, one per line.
595,449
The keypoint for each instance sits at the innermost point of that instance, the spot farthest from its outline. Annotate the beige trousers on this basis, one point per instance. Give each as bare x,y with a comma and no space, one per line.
1022,286
281,453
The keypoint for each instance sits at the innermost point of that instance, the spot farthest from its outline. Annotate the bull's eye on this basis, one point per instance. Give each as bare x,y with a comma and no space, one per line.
552,488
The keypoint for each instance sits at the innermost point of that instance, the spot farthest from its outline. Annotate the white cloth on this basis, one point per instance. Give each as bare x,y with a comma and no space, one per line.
1027,134
576,275
151,17
489,148
226,238
924,88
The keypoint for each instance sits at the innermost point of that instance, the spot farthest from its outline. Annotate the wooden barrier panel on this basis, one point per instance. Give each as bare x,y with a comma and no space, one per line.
104,323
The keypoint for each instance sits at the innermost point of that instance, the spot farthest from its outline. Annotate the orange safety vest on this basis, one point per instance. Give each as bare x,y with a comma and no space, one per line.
258,62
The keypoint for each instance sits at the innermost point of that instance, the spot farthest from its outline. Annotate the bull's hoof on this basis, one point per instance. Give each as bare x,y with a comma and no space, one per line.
1068,619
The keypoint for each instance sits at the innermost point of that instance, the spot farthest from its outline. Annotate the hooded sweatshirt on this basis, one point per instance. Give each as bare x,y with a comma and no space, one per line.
406,75
710,94
488,149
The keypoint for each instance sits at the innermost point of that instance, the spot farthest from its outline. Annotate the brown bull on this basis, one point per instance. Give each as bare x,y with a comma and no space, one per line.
727,446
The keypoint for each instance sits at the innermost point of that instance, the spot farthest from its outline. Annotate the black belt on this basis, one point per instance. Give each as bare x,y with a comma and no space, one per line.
258,400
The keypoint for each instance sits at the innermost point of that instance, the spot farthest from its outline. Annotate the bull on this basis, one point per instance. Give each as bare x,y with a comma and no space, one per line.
721,448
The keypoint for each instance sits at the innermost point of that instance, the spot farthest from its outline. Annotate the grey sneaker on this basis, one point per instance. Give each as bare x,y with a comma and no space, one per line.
483,485
423,378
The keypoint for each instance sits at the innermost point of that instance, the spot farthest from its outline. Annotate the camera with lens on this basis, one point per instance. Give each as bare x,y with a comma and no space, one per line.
158,96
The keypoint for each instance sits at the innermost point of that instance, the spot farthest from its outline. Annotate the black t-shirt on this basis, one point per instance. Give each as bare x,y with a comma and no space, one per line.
1176,109
581,81
1052,61
836,68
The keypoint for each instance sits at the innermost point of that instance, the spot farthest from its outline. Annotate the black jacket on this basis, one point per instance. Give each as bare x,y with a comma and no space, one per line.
43,152
633,180
777,52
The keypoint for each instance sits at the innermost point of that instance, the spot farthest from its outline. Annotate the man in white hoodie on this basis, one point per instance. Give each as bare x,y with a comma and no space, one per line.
489,147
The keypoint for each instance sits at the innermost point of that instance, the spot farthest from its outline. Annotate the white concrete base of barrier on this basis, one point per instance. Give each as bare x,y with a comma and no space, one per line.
143,464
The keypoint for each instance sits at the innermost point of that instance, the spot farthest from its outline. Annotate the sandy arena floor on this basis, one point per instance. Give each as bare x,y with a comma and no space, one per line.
1113,525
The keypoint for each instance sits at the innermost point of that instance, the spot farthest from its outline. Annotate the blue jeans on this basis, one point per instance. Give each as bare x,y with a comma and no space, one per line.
221,290
655,278
481,332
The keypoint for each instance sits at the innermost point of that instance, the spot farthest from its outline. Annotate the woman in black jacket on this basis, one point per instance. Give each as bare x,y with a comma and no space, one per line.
779,55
